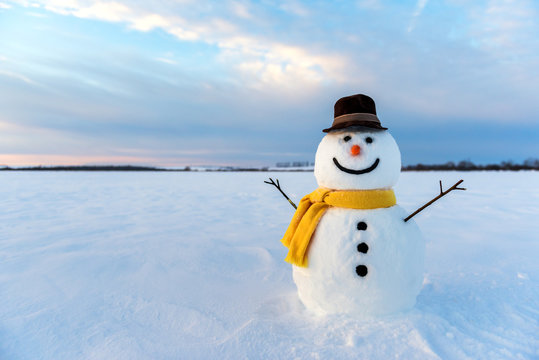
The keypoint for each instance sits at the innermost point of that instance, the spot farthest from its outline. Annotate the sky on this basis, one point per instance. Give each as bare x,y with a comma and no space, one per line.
251,83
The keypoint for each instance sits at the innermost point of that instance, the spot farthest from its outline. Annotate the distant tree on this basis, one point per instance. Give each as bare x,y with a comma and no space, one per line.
450,165
466,165
532,163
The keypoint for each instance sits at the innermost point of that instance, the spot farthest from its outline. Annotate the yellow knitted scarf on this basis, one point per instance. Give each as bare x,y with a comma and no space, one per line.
314,205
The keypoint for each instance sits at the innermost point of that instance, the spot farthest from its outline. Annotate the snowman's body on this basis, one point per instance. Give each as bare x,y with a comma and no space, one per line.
390,250
361,262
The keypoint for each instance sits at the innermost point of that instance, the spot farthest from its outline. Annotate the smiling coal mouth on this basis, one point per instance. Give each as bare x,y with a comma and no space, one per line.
357,172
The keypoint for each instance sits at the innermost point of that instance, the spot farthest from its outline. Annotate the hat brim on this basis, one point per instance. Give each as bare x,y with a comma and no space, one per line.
347,124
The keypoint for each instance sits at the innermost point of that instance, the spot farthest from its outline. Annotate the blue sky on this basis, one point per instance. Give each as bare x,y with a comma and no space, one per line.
184,82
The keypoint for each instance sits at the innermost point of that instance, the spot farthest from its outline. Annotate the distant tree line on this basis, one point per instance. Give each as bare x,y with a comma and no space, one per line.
293,164
467,165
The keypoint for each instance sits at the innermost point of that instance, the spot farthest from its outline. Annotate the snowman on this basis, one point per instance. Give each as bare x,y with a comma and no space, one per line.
352,250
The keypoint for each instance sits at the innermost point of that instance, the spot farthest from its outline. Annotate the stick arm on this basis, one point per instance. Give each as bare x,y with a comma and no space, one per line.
278,186
442,193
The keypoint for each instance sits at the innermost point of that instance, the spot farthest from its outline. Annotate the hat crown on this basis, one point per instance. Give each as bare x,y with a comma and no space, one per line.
355,111
354,104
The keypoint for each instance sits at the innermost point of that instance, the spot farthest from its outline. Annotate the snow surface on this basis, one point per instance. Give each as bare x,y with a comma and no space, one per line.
190,266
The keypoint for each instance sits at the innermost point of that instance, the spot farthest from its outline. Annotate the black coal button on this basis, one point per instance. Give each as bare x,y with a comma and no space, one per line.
363,248
361,270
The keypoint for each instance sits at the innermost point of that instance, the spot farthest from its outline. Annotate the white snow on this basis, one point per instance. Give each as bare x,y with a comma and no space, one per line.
190,266
382,155
394,262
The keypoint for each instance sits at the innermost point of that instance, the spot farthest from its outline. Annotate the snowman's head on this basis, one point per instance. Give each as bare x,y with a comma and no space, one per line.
357,158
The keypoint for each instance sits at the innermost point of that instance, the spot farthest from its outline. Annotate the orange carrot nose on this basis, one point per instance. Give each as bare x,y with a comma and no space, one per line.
355,150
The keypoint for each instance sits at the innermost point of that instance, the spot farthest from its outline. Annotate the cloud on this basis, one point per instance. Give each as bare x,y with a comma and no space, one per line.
280,60
256,81
295,8
150,22
307,59
241,10
370,4
505,25
18,77
35,14
108,11
167,61
420,5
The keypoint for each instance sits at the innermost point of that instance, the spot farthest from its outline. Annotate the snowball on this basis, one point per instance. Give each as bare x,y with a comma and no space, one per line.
394,261
383,149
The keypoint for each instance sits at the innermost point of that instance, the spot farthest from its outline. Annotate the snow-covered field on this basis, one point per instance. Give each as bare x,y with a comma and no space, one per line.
190,266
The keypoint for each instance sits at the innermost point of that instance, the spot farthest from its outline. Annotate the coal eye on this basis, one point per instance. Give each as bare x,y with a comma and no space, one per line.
368,140
347,138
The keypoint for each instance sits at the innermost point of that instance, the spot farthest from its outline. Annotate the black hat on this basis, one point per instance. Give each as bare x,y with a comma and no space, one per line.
355,110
